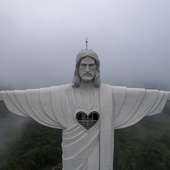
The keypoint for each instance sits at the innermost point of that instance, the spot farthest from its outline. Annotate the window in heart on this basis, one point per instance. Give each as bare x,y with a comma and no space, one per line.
87,121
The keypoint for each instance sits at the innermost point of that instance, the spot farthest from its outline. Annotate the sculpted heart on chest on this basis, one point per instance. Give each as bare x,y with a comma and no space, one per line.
87,121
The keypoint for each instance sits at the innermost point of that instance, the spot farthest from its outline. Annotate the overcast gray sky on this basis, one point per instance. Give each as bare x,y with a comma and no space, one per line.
39,41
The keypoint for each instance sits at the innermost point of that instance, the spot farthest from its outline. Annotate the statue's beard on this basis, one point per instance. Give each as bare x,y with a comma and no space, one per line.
87,76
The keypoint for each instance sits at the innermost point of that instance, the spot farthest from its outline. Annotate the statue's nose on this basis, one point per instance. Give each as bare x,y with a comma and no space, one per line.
87,68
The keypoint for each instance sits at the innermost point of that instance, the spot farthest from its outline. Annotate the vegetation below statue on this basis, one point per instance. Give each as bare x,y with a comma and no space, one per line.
35,148
144,146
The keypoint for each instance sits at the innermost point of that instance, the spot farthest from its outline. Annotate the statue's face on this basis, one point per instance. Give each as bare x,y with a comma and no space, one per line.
87,69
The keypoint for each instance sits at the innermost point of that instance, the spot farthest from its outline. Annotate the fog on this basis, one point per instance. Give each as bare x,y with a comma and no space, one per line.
10,126
39,41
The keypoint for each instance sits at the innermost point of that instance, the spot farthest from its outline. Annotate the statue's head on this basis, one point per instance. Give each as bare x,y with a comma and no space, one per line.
87,68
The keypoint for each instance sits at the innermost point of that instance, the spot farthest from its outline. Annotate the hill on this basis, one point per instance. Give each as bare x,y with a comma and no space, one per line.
30,146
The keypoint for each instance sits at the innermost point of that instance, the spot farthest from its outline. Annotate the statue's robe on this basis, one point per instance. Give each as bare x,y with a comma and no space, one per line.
83,149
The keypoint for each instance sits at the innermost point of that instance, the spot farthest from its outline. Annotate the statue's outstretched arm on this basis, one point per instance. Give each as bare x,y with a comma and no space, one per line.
138,103
42,105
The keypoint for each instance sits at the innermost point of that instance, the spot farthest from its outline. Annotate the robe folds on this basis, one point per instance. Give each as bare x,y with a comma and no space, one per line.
56,107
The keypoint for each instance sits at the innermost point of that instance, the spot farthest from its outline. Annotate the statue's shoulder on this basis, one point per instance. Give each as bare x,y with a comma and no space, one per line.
103,85
61,87
67,86
113,87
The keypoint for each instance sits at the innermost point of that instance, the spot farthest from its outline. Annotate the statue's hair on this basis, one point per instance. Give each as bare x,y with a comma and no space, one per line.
77,78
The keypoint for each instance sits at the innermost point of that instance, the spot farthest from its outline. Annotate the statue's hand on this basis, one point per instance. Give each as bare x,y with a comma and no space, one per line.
0,97
169,96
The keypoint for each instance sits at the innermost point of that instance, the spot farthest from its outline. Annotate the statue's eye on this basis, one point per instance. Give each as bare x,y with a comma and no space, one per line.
91,65
83,65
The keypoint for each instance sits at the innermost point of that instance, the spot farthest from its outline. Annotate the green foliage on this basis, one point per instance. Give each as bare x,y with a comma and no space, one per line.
37,147
144,146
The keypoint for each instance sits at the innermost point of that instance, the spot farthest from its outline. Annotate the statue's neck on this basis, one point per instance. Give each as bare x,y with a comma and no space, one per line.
87,85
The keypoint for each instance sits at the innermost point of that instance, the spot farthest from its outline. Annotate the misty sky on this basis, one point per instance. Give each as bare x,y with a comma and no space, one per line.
39,41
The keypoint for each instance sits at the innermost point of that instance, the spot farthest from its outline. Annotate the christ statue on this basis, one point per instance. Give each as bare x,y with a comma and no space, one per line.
87,111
